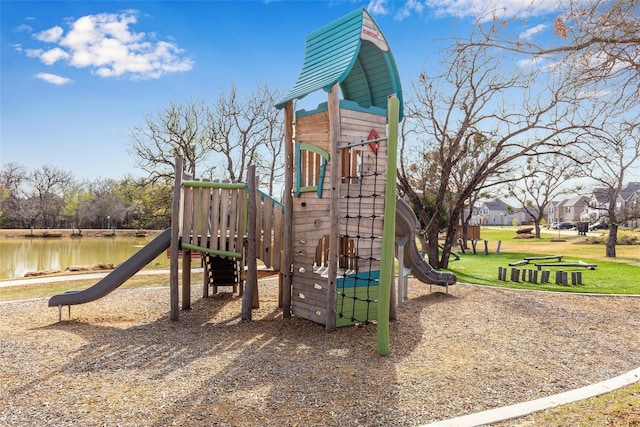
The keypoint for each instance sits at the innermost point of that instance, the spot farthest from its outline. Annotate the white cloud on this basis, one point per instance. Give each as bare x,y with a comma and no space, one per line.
594,94
105,44
409,7
23,28
530,32
51,35
53,79
34,53
478,8
52,56
541,62
530,62
377,7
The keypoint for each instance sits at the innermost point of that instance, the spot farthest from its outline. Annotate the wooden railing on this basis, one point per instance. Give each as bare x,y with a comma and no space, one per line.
213,220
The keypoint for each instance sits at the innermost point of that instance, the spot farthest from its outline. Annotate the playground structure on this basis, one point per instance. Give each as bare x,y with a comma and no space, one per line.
332,240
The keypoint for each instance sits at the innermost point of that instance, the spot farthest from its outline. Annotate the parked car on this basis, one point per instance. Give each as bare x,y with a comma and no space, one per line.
598,226
563,225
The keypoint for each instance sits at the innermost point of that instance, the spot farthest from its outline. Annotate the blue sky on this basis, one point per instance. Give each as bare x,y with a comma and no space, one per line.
77,76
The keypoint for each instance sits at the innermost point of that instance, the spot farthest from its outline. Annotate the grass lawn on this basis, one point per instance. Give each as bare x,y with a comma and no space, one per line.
612,275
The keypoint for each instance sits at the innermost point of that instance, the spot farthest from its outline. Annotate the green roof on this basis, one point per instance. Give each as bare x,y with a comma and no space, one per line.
353,52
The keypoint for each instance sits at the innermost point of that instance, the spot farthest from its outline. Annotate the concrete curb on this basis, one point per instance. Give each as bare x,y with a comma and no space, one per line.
525,408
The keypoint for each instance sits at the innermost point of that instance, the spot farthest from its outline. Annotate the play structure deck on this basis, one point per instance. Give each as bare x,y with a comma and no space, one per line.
334,237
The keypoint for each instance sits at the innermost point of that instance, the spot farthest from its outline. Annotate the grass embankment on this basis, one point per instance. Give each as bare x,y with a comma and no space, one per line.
611,276
617,408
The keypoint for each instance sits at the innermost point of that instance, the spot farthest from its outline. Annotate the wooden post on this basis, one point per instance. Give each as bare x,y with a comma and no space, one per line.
392,301
287,244
389,225
175,241
333,106
498,248
576,277
401,287
474,242
205,276
502,274
544,278
561,278
486,247
186,279
251,284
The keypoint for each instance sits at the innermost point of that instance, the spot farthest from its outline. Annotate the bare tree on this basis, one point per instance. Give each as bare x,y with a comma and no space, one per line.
246,130
177,130
596,41
613,152
12,180
545,178
270,163
108,208
480,114
78,208
49,185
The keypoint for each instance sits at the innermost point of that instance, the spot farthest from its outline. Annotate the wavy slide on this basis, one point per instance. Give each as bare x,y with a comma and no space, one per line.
406,226
118,276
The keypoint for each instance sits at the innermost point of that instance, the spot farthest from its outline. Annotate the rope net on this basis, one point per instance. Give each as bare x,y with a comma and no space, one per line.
361,224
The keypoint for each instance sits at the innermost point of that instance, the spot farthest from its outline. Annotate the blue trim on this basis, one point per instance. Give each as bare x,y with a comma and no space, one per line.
321,177
298,171
274,202
366,278
344,104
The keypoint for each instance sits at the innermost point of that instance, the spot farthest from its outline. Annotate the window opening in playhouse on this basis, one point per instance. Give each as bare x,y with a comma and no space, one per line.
311,163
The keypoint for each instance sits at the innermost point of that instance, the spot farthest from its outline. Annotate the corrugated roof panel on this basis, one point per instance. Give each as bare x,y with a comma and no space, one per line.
353,52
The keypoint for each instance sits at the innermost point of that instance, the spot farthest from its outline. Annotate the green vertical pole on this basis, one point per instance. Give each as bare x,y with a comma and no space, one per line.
388,231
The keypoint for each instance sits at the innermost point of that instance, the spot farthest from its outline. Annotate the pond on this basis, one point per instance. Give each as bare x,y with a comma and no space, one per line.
21,255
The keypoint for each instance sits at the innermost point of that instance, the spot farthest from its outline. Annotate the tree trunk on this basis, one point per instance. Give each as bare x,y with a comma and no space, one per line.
612,241
448,244
536,226
450,238
465,234
432,244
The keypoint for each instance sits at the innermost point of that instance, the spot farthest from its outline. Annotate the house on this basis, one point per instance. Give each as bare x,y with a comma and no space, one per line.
494,212
627,204
567,210
633,210
525,216
597,206
573,208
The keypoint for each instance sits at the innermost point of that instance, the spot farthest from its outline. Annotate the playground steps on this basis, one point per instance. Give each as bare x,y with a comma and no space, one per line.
222,271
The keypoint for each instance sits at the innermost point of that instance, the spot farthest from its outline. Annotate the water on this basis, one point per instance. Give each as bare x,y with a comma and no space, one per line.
21,255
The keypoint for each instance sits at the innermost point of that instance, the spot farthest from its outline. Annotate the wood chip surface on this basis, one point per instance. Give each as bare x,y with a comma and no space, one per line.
120,361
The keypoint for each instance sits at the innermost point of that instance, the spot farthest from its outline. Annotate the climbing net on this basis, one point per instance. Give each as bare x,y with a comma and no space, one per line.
361,224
